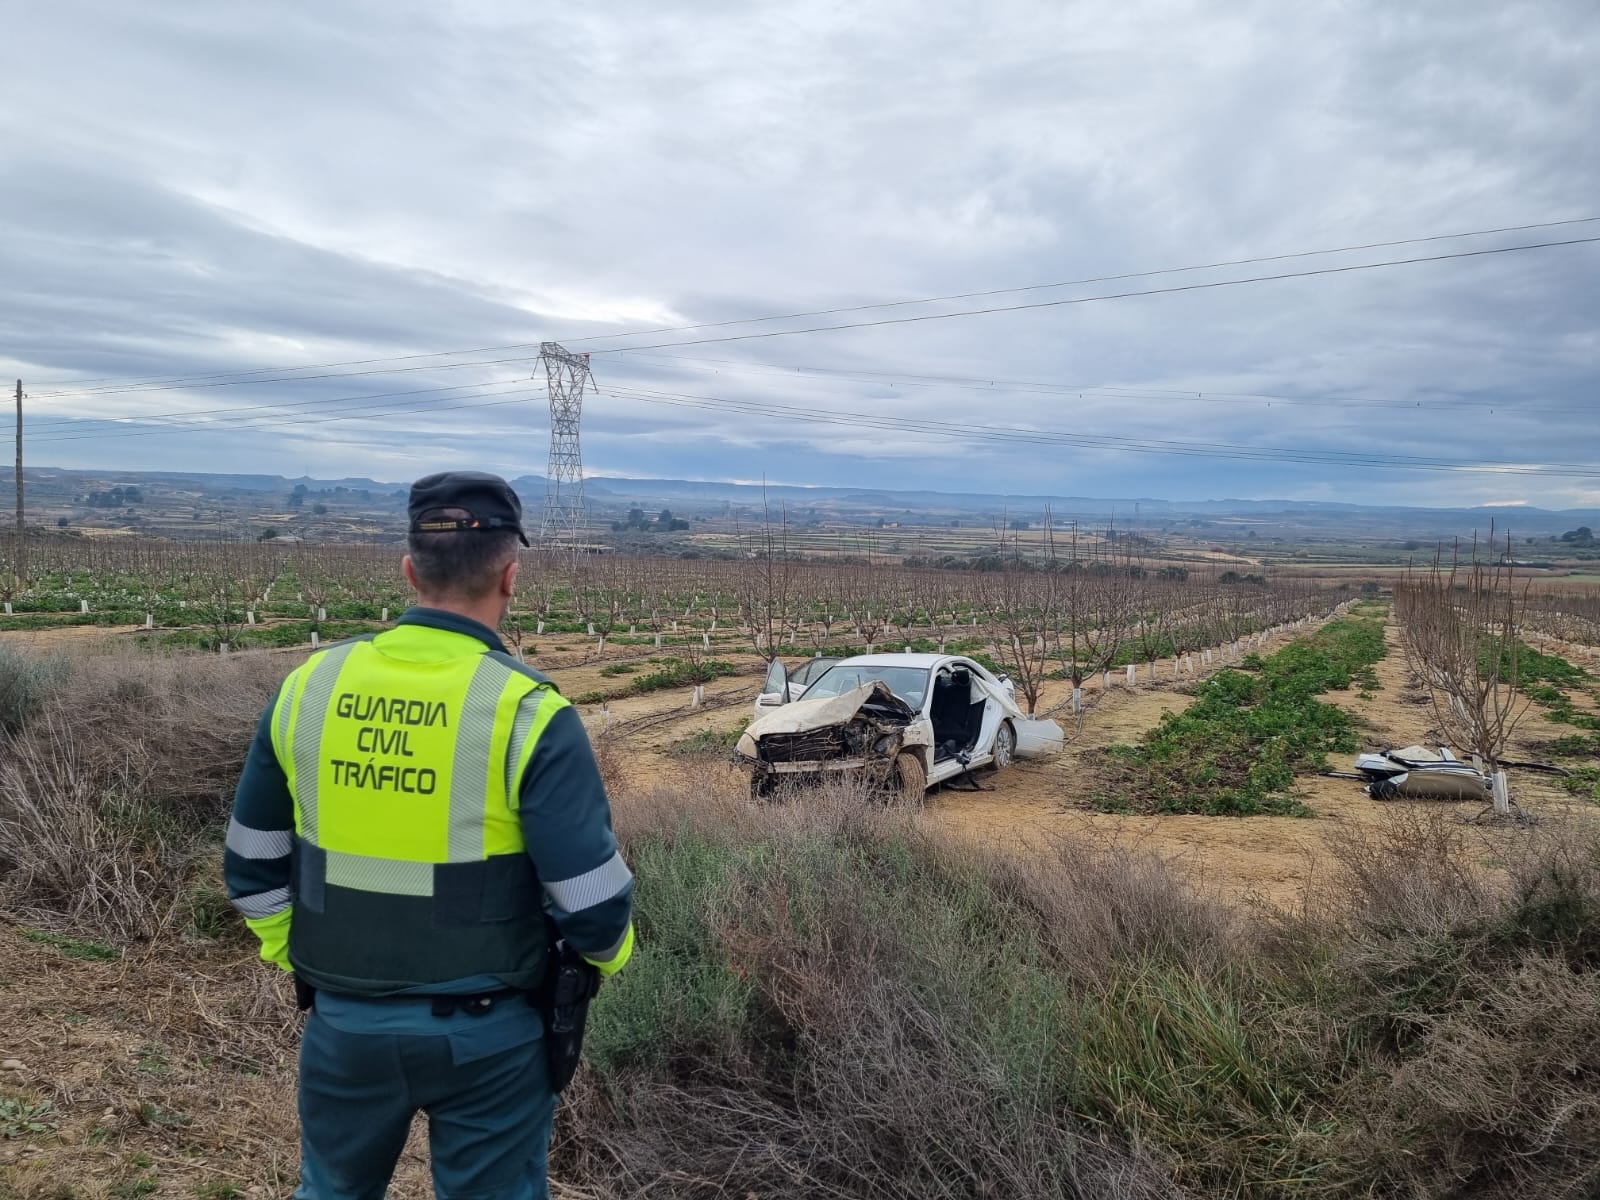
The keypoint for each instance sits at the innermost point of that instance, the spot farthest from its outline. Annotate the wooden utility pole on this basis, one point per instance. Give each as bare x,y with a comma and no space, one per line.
22,545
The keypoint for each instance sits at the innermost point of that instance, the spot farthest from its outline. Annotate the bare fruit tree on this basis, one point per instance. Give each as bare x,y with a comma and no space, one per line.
1462,627
1025,604
765,584
1088,618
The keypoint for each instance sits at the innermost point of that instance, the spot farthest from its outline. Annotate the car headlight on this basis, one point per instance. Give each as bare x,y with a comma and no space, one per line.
884,744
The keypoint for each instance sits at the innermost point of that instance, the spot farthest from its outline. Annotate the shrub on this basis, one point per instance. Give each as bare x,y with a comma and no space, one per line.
121,784
681,673
24,683
855,1012
859,1010
707,743
1472,1016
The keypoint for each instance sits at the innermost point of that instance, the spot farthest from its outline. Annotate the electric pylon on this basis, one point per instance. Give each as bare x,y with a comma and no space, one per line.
567,376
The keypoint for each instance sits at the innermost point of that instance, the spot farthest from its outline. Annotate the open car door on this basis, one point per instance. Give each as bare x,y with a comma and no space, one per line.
774,689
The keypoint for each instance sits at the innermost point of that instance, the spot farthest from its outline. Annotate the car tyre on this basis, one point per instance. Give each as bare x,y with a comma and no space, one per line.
1005,746
910,777
762,785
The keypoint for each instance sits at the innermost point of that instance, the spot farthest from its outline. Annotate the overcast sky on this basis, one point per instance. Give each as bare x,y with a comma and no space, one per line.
193,187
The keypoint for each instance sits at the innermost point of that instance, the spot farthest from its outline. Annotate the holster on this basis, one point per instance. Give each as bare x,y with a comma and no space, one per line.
569,985
305,996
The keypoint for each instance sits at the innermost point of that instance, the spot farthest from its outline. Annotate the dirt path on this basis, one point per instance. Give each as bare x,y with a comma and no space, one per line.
67,637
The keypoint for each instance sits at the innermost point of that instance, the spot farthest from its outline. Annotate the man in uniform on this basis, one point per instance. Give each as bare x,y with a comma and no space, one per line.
414,805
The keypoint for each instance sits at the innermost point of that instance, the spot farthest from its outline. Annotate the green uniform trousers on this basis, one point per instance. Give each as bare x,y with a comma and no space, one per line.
368,1066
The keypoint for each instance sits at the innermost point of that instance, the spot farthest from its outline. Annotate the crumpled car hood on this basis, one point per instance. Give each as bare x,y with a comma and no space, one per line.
801,716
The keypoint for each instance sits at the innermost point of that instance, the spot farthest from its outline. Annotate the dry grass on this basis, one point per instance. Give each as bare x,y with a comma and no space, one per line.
125,774
1102,903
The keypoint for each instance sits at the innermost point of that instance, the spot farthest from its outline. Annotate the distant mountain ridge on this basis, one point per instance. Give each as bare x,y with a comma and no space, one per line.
617,491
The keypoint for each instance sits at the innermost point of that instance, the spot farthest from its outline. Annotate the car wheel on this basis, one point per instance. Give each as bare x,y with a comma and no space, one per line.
910,777
1005,746
762,785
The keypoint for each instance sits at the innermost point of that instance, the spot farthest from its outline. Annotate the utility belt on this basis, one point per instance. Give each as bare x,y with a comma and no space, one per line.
562,1000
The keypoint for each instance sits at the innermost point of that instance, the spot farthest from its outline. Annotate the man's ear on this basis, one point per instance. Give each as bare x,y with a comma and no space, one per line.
508,579
409,570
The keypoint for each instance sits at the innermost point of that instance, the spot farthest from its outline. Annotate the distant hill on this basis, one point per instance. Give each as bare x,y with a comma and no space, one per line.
55,489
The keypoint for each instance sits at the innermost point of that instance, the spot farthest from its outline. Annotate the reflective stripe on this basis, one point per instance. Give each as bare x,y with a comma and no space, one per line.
262,904
527,714
606,956
617,957
307,748
259,843
472,764
369,873
286,710
592,887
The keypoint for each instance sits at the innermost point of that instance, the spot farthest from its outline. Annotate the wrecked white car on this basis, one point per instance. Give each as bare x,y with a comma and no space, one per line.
905,721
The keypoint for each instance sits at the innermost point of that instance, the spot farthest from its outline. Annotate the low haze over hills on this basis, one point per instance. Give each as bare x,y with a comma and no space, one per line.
86,497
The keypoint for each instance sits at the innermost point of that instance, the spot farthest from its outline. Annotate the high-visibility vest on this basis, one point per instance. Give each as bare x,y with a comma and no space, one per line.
404,753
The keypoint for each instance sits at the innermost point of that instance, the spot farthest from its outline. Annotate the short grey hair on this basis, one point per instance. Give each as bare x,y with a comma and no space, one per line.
461,562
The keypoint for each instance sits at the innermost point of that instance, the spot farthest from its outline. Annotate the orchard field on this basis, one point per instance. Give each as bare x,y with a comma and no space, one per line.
1178,959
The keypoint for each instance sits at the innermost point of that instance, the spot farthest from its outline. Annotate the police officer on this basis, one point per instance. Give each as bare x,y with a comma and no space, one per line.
414,803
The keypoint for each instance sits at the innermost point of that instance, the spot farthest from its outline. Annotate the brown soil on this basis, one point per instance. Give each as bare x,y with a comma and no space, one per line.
66,637
168,1075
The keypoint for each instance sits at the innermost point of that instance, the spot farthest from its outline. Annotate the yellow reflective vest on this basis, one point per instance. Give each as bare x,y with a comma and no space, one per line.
403,757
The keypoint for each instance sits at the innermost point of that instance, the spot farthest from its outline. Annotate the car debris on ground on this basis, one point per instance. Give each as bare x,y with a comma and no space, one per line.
1418,772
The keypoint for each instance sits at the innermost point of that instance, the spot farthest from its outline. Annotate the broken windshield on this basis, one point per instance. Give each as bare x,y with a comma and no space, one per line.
908,683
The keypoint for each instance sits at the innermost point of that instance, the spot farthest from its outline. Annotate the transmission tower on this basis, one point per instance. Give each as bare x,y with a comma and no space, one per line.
567,376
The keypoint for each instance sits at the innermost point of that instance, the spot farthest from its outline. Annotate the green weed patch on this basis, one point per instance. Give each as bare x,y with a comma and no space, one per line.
279,635
1546,679
676,672
1585,782
73,947
707,743
1237,749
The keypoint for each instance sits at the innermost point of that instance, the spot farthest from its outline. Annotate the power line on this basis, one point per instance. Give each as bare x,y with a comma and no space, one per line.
1038,287
944,430
1165,291
1012,434
380,413
173,387
184,414
218,378
189,417
1040,304
1080,390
